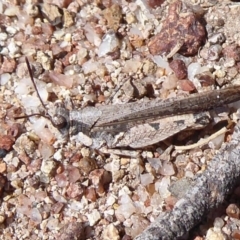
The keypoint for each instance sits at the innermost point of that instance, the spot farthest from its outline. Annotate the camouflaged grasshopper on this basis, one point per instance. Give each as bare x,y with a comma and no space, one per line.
138,124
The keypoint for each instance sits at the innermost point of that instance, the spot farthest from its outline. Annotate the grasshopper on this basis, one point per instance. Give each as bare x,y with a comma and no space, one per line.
138,124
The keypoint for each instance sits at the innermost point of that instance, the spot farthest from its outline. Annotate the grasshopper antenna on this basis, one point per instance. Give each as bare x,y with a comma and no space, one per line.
34,84
35,87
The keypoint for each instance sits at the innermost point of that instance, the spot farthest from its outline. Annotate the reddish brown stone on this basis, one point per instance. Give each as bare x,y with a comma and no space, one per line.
91,195
6,142
62,3
36,30
179,68
233,211
75,190
2,183
101,98
65,60
155,3
236,234
72,230
34,181
186,85
206,79
24,158
14,130
100,179
86,165
8,65
96,176
35,165
181,31
57,207
60,169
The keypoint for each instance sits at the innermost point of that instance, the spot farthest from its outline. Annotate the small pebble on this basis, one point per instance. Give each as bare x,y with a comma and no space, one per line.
214,235
3,36
113,16
155,3
3,152
93,217
110,43
218,223
233,211
179,68
2,218
6,142
11,30
110,233
186,85
217,38
52,13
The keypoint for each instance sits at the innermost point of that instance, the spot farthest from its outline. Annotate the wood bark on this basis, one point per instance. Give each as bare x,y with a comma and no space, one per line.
208,191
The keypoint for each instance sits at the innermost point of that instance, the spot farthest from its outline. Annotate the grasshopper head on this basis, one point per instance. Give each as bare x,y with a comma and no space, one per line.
60,119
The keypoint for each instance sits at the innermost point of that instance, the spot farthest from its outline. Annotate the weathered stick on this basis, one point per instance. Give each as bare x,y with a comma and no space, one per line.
208,191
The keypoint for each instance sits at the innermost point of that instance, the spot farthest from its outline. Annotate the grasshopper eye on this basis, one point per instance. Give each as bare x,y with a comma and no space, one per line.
59,122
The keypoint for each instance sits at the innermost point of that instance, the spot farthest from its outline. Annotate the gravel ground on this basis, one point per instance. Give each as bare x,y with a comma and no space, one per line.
100,53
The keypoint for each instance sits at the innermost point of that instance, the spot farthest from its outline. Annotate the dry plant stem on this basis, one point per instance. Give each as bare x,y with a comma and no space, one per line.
208,191
202,142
